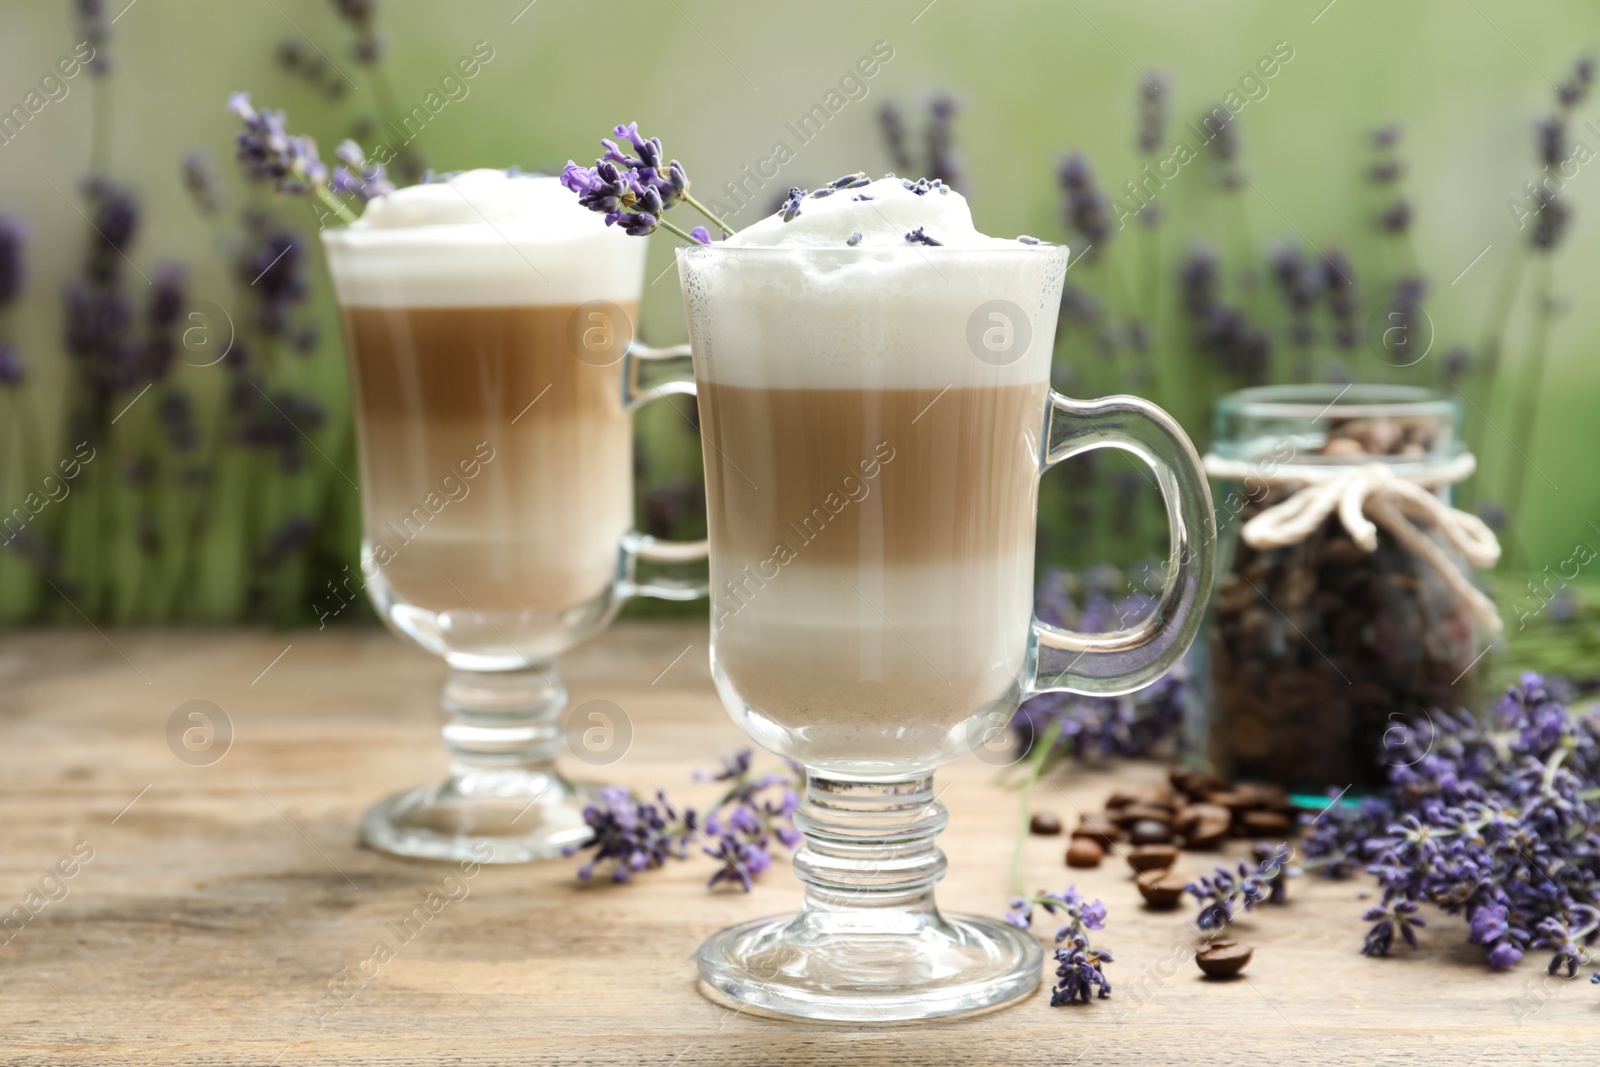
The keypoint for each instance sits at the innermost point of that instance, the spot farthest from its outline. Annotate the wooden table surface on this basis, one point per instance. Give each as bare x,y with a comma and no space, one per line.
221,900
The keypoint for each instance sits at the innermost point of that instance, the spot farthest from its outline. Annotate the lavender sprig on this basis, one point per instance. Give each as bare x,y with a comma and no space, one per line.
269,152
754,812
1228,891
633,835
1079,967
637,190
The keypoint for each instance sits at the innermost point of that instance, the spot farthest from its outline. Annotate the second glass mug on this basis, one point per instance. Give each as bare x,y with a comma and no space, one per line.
493,388
875,425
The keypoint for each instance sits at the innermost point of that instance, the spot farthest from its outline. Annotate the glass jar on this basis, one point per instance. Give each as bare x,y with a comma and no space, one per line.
1317,646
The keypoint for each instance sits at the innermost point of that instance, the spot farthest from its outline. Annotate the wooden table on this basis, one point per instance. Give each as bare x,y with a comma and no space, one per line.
221,900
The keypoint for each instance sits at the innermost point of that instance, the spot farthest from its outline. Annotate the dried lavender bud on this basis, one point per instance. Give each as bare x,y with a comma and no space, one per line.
1025,239
791,206
854,239
1386,137
851,181
754,813
1386,171
919,236
1395,219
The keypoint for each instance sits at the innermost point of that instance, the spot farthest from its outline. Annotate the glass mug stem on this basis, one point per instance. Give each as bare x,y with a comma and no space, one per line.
869,851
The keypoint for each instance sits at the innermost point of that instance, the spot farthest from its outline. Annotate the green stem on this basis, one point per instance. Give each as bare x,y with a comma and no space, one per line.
670,228
336,205
1036,758
100,137
1527,408
1494,334
707,212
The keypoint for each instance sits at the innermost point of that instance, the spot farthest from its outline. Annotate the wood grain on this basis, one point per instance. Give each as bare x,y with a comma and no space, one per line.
221,900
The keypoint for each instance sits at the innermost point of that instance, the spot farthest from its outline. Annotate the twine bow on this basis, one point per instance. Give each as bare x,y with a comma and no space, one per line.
1393,502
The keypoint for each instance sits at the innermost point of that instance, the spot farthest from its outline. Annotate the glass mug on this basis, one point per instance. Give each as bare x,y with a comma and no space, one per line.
493,383
875,423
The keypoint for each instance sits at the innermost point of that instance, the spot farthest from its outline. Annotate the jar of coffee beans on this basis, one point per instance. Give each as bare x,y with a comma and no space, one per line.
1346,605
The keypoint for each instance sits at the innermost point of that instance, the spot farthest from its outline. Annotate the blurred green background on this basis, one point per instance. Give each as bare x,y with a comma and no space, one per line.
718,80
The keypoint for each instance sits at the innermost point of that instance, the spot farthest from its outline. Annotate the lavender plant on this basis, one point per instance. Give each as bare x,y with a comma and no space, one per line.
1493,820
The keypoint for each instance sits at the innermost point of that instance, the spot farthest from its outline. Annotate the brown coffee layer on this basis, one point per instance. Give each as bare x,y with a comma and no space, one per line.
496,467
479,362
863,477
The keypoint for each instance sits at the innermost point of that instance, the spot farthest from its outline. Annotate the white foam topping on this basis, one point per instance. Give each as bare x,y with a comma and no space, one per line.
807,303
482,239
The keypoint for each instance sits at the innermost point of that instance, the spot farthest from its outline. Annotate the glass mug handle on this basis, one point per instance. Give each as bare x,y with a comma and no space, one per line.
636,546
1109,664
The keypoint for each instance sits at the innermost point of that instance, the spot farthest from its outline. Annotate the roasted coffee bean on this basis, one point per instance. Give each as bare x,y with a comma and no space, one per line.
1100,829
1152,857
1196,785
1044,824
1084,852
1161,887
1150,832
1151,796
1136,813
1223,959
1266,823
1204,825
1235,800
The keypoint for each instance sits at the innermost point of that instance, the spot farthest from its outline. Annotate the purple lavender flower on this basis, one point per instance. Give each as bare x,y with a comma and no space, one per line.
944,164
1080,971
892,124
791,206
634,190
1550,219
633,835
919,236
1086,208
754,812
700,235
1154,88
12,264
1343,303
89,18
357,177
12,372
1572,92
368,47
268,151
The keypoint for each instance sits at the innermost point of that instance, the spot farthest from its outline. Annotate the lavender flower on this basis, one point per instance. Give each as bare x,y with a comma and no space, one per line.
1343,304
753,813
919,236
12,263
267,150
633,835
1572,92
1488,820
1550,219
368,48
1227,891
358,178
1080,970
1098,728
944,164
12,372
636,190
1086,209
1154,88
89,18
791,206
1224,143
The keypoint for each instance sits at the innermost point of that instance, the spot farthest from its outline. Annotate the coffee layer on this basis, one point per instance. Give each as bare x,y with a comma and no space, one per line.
872,561
440,392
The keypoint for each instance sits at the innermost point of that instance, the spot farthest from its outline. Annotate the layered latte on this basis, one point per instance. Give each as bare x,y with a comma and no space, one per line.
495,453
872,456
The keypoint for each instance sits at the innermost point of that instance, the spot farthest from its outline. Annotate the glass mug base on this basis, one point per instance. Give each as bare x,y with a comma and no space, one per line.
815,967
533,817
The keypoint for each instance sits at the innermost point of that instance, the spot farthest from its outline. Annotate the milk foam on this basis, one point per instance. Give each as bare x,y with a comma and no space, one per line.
793,305
482,239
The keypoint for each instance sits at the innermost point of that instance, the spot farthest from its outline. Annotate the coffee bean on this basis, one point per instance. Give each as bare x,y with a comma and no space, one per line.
1204,825
1149,832
1084,852
1223,959
1044,824
1152,857
1100,829
1136,813
1266,823
1235,800
1161,887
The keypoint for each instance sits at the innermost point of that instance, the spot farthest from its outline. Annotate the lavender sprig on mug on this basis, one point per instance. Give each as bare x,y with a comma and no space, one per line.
268,150
637,191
